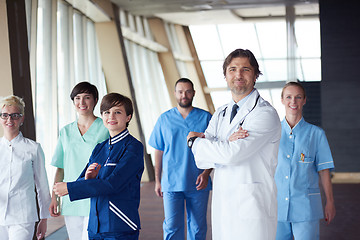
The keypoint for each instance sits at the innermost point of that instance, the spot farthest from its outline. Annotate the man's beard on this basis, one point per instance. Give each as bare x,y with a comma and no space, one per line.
187,105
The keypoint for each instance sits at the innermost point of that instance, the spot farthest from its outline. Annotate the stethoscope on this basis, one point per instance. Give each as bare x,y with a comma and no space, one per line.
223,113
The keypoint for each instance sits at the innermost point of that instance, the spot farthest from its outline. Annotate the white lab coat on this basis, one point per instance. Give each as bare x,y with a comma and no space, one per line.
244,204
22,168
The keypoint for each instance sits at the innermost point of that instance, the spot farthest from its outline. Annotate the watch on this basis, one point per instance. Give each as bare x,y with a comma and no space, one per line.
191,141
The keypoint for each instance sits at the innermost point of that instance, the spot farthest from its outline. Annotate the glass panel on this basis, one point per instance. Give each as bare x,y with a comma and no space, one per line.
273,70
149,84
207,42
273,96
44,118
53,106
182,69
220,98
307,34
213,73
234,36
65,78
276,102
96,75
309,69
79,49
272,38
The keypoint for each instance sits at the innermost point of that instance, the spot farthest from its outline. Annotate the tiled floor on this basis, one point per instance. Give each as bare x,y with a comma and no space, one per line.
346,224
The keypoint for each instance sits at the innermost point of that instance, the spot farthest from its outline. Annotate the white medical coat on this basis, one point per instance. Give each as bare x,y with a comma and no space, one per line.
244,204
22,168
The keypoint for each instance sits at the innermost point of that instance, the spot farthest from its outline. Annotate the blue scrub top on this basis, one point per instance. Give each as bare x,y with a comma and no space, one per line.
179,171
304,151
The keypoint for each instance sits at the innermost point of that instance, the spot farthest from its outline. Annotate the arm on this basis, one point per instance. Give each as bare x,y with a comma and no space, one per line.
53,208
264,129
327,186
202,179
158,172
129,166
60,188
41,183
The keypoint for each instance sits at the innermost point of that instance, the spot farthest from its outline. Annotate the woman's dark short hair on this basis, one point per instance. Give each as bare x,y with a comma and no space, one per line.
84,87
243,54
113,99
294,84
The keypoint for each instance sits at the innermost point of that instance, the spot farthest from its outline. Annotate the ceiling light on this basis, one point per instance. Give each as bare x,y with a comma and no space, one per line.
196,7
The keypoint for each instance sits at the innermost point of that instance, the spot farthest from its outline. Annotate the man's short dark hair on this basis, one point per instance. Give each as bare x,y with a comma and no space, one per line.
184,80
244,54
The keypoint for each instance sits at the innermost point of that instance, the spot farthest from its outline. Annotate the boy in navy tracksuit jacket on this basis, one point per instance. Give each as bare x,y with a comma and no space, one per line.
112,177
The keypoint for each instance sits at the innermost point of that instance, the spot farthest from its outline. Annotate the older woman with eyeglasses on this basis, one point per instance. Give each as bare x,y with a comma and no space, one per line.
22,169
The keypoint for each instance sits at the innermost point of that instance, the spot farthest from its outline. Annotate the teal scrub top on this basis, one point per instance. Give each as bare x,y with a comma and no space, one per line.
179,171
303,152
72,153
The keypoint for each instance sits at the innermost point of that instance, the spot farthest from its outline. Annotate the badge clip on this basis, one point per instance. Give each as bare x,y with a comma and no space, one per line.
302,157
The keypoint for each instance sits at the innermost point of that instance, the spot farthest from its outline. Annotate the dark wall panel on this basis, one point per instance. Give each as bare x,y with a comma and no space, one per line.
340,86
20,66
312,108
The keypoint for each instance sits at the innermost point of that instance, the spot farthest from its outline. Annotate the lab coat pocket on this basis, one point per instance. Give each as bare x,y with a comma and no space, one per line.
253,201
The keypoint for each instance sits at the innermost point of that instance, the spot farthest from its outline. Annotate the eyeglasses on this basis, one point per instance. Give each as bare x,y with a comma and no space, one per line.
14,116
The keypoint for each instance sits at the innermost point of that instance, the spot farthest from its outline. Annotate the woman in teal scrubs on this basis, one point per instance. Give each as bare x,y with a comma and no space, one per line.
75,145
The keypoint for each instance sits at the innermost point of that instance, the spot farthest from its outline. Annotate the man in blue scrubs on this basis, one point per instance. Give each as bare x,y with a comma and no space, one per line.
177,179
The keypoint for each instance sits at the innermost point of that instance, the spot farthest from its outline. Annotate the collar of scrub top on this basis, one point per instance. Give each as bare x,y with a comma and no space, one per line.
290,130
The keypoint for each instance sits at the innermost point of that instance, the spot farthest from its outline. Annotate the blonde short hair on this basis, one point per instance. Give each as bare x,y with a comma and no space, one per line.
13,101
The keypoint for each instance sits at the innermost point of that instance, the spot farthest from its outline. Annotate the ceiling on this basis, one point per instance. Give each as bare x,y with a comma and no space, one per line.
191,12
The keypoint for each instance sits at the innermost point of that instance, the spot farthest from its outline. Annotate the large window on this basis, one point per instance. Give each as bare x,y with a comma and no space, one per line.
66,53
151,94
268,40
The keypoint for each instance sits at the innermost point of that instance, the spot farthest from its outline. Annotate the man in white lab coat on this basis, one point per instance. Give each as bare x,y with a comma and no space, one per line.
241,143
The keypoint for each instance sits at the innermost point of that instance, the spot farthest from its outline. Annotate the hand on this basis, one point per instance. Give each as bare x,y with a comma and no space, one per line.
53,208
329,212
158,189
195,134
239,134
92,171
60,189
41,229
202,181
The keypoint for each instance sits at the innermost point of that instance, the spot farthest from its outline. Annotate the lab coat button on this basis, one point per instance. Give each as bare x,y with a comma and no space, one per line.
290,136
287,177
288,156
286,199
